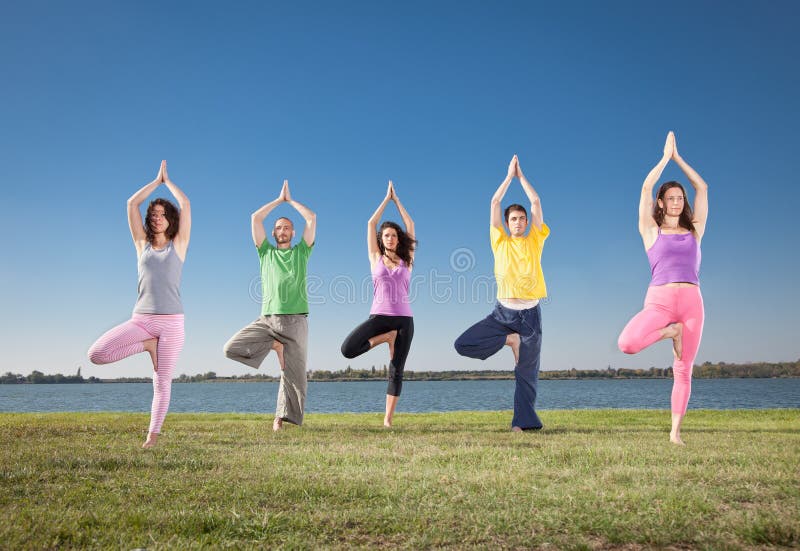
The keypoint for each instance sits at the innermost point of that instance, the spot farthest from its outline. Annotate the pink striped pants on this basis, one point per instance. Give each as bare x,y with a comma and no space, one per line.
662,306
127,339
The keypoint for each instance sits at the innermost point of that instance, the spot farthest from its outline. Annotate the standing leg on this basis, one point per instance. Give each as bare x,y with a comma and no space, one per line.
292,331
526,372
397,363
169,329
690,303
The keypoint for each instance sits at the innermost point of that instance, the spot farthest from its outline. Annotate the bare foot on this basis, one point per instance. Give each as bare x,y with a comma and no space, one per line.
516,429
277,424
389,338
152,439
677,341
512,340
151,346
392,336
676,439
278,348
391,405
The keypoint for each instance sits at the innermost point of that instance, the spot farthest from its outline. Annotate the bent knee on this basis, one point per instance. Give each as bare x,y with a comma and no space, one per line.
96,357
348,352
233,350
627,345
227,350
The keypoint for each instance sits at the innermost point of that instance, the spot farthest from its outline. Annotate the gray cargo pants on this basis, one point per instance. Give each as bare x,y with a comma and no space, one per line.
252,344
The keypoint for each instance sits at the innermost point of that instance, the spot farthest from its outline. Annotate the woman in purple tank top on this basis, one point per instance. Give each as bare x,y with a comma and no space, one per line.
391,256
156,327
673,306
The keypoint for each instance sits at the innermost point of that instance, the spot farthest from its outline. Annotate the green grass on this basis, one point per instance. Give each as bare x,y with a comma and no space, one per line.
591,479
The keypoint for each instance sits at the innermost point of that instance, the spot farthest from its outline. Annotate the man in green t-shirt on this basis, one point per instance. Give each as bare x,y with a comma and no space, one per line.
283,324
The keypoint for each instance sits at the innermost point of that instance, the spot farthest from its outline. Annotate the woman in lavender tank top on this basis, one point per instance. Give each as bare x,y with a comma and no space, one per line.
156,327
673,307
391,256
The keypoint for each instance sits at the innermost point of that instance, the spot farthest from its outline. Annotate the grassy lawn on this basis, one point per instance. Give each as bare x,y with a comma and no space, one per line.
592,479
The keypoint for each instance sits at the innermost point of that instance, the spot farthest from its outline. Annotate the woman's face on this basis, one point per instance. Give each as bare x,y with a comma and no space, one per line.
672,201
389,239
157,219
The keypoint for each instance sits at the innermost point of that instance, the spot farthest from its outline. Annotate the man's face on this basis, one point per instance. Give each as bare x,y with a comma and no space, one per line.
517,222
283,231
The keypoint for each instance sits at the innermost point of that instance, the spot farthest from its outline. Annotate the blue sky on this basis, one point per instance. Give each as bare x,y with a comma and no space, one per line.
338,98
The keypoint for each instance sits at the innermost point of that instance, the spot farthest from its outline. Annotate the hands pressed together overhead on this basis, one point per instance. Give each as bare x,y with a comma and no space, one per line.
514,170
285,193
162,177
671,147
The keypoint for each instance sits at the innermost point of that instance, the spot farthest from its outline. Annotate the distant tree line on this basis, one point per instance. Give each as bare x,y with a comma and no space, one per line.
707,370
37,377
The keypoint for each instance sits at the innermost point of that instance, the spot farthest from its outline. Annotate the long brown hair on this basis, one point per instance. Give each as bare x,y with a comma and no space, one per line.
404,242
686,216
171,213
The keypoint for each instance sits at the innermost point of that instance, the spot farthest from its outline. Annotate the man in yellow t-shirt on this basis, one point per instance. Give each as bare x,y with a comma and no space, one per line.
516,320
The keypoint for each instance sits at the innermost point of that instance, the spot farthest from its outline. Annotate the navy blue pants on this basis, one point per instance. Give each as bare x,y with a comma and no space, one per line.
488,336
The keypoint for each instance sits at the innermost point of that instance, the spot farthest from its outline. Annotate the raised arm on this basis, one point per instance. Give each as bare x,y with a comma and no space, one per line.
496,218
700,208
181,239
135,216
648,228
537,217
407,221
372,227
310,231
257,218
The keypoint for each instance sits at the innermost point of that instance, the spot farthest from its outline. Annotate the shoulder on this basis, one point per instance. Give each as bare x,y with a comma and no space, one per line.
539,232
265,248
302,247
497,233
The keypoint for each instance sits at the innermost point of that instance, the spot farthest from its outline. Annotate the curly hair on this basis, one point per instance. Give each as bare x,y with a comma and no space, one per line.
686,216
172,214
405,244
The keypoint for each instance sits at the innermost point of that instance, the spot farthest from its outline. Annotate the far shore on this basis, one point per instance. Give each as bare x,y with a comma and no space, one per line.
721,370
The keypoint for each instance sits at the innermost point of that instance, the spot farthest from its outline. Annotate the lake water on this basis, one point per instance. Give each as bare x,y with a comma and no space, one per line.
418,396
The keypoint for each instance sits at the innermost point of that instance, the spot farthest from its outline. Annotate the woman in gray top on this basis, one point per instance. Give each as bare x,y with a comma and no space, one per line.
156,326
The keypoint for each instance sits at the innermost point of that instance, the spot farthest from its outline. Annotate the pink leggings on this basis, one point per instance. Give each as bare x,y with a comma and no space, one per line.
662,306
127,339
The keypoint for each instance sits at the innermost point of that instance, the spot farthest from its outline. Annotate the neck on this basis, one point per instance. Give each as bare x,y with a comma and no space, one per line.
159,241
283,245
671,222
